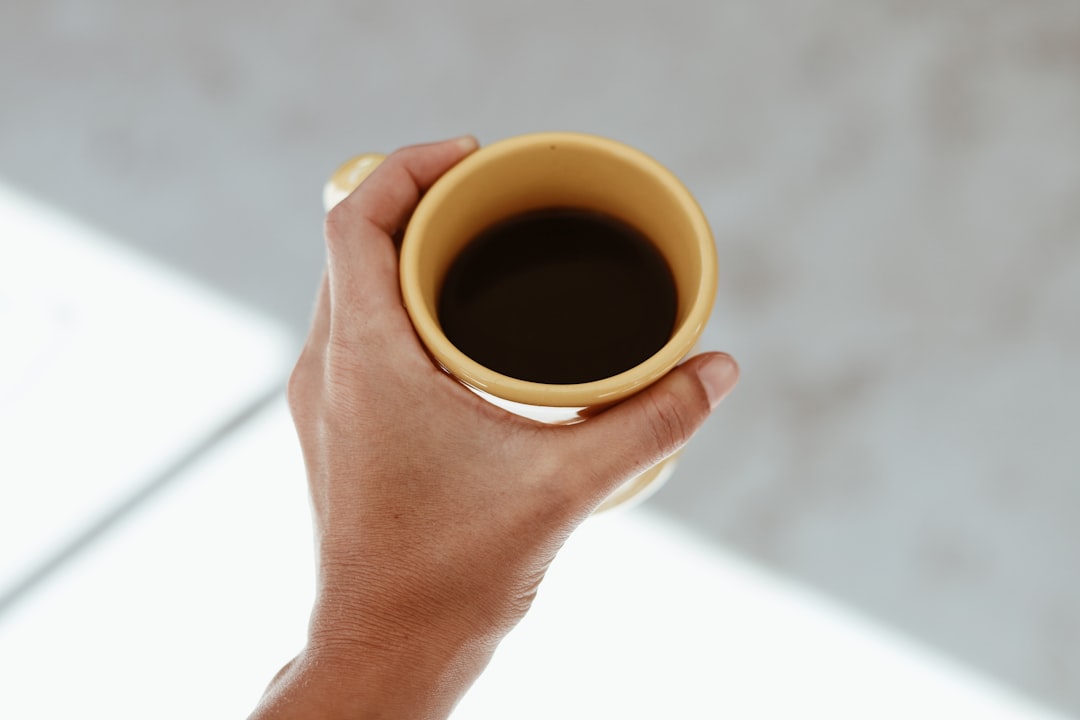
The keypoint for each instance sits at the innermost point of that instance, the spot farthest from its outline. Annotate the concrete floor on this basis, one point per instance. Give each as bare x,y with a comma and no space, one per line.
894,189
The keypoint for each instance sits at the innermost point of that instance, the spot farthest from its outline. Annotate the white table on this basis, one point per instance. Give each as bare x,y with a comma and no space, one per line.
113,370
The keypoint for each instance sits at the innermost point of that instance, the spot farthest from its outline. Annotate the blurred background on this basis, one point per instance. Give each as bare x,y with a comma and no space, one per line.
894,188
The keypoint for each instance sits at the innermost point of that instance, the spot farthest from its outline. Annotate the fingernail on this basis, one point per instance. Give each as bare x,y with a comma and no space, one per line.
467,143
718,374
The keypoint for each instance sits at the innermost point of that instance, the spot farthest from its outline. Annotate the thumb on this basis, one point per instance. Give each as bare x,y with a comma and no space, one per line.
639,432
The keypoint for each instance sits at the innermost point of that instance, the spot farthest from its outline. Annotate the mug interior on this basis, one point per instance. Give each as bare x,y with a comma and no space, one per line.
547,170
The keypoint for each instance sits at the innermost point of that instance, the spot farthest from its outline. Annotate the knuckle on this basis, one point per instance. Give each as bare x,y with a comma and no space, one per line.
335,226
670,422
298,389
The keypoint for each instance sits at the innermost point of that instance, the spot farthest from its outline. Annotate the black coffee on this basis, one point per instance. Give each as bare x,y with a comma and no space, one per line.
559,296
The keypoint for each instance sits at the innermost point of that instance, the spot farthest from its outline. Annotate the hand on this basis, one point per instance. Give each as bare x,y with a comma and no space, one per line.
436,514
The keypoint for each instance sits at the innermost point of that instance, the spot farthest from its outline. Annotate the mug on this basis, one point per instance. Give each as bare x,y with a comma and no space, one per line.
536,172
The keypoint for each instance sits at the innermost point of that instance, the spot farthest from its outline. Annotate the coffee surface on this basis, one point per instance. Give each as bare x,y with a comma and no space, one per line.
559,296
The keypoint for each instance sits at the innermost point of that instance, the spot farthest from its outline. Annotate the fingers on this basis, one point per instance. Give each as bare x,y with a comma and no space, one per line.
648,427
361,258
390,193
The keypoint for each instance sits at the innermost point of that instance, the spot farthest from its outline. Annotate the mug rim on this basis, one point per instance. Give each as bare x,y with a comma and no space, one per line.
580,395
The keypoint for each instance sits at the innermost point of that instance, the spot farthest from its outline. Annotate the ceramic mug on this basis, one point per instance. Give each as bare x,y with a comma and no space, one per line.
535,172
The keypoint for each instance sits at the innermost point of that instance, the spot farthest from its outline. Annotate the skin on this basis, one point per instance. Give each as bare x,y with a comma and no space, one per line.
436,514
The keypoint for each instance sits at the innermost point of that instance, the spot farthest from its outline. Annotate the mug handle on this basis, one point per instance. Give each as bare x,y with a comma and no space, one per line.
348,177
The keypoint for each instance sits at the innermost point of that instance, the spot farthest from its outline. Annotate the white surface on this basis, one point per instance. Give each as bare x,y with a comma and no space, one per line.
188,610
185,611
111,367
638,619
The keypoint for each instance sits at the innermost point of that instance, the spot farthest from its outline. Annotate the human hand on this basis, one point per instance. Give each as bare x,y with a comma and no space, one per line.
436,514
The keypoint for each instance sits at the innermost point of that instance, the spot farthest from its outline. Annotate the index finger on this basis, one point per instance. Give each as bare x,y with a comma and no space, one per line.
361,258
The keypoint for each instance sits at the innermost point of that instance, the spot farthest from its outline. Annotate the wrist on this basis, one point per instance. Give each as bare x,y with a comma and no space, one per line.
323,683
353,668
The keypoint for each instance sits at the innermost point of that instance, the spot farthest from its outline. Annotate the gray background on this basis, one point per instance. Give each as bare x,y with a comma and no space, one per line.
894,188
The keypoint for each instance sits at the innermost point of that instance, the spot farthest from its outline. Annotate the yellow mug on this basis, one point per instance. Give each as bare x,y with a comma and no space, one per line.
536,172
